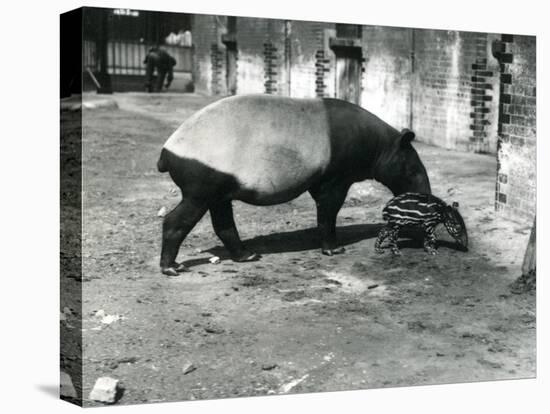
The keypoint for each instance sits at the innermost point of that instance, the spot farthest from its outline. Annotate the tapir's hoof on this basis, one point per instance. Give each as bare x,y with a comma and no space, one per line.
169,271
432,252
180,268
379,251
174,270
332,252
396,252
247,257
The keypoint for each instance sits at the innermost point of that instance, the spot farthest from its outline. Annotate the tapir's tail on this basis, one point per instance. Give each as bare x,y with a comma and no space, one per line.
162,163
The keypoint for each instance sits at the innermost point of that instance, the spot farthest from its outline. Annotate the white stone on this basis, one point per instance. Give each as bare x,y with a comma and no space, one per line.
66,388
104,390
109,319
214,260
162,212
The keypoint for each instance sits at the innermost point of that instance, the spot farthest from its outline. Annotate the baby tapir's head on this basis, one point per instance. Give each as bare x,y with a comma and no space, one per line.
454,223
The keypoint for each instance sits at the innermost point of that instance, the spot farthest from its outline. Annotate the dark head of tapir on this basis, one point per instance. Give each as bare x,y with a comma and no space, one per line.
264,150
399,167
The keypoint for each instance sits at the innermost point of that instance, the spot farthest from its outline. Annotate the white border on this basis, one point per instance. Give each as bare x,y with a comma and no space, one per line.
30,208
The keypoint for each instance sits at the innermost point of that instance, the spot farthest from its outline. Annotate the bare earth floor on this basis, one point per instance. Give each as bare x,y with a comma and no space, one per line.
295,321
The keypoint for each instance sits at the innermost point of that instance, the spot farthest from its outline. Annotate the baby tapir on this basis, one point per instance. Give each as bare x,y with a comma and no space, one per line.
265,150
425,211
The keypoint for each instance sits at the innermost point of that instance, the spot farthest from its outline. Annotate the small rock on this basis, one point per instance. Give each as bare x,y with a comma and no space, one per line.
214,260
214,329
105,390
269,367
100,313
66,388
188,367
173,191
162,212
109,319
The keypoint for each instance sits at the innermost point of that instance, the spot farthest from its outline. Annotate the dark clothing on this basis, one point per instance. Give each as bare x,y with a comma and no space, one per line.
163,63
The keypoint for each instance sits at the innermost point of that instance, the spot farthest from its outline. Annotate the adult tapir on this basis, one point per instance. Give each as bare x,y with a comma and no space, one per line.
264,150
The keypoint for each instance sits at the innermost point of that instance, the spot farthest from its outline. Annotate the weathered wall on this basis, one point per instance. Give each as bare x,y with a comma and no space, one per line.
387,76
305,40
441,87
441,84
256,41
516,181
204,37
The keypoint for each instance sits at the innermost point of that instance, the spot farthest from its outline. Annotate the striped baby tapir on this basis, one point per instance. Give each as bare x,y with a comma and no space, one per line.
426,212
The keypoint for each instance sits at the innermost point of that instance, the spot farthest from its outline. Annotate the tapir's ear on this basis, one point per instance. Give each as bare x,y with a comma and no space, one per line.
406,137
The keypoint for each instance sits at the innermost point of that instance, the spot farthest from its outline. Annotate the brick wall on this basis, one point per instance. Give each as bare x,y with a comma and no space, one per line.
444,85
516,179
306,51
441,104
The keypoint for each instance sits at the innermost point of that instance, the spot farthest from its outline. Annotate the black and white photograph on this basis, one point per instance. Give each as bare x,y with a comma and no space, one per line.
266,206
256,206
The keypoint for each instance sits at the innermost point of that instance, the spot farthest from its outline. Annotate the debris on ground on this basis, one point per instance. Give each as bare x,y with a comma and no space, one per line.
105,390
161,212
289,385
213,329
107,319
214,260
269,367
188,367
124,360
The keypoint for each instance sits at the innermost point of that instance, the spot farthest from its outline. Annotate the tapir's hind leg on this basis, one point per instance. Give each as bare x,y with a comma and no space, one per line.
329,198
224,227
176,226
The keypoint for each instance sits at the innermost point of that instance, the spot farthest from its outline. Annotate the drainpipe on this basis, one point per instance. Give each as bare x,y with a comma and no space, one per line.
412,57
103,44
288,55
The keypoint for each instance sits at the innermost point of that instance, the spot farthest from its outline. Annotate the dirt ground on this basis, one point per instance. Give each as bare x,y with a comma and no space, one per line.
295,321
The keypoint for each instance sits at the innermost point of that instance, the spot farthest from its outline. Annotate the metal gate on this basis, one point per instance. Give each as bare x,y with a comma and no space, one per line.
130,34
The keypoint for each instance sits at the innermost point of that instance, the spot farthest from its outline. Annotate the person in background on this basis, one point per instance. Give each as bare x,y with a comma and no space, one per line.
158,60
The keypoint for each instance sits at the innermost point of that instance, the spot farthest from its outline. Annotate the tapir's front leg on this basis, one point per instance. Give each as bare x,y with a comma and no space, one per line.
329,198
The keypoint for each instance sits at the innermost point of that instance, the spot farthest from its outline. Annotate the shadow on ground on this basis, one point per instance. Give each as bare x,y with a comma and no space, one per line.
295,241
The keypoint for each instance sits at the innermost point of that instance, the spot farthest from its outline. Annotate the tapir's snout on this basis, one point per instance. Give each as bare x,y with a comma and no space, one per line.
421,183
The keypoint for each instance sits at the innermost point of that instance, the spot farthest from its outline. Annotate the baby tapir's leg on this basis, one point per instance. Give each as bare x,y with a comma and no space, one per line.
383,234
391,232
394,235
429,239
